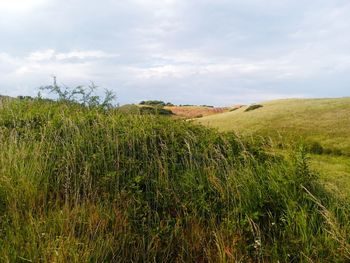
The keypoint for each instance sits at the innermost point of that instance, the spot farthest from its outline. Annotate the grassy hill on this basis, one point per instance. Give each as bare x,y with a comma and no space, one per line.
195,111
326,121
319,123
89,184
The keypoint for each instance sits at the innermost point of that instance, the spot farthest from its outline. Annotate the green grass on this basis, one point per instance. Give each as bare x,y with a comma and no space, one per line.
93,185
334,171
322,120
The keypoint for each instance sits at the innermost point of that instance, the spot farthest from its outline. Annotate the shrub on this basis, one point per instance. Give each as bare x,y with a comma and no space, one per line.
154,110
316,148
153,103
82,95
25,98
253,107
135,109
337,152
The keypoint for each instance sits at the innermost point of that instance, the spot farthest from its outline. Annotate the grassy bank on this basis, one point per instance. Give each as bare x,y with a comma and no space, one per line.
322,124
326,121
91,185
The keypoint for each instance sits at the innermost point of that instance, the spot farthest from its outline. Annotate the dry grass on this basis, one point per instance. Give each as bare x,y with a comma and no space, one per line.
195,111
323,120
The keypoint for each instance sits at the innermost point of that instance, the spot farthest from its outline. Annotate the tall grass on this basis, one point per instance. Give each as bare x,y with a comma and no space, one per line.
91,185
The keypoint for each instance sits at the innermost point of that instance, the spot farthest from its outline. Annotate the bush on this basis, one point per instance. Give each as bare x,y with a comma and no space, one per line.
154,110
135,109
153,103
316,148
253,107
85,96
337,152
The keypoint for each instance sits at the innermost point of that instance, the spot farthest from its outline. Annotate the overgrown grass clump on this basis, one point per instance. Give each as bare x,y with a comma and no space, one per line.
81,184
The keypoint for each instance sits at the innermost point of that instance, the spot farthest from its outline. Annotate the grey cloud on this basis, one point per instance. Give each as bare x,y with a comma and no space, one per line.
197,51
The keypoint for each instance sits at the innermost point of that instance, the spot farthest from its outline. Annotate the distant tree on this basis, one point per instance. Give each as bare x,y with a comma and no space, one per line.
24,97
153,103
207,106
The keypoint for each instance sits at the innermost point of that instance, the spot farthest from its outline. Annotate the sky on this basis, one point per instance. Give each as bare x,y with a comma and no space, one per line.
214,52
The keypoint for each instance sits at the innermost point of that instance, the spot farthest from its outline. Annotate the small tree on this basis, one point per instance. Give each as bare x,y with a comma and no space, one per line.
82,95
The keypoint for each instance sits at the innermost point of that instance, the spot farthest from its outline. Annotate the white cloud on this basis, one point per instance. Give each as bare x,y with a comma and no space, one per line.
21,6
36,68
41,55
84,55
188,50
51,54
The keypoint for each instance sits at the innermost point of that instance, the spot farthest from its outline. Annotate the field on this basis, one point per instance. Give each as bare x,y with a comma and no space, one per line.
87,184
322,124
326,121
195,111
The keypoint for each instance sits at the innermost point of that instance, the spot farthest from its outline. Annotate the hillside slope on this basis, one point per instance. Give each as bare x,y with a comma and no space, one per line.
195,111
326,121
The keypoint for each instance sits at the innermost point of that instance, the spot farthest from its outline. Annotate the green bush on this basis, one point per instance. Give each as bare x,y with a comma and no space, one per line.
82,95
254,107
153,103
316,148
135,109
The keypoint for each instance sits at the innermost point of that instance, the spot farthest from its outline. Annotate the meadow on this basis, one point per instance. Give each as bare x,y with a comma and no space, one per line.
323,125
326,121
89,184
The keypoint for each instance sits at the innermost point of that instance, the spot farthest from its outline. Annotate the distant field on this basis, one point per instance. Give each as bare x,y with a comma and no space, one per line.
322,121
195,111
326,121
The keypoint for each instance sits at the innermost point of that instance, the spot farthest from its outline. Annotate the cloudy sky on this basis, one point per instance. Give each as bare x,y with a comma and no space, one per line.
217,52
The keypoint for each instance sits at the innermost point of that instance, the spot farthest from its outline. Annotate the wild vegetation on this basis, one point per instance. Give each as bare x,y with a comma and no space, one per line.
93,184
